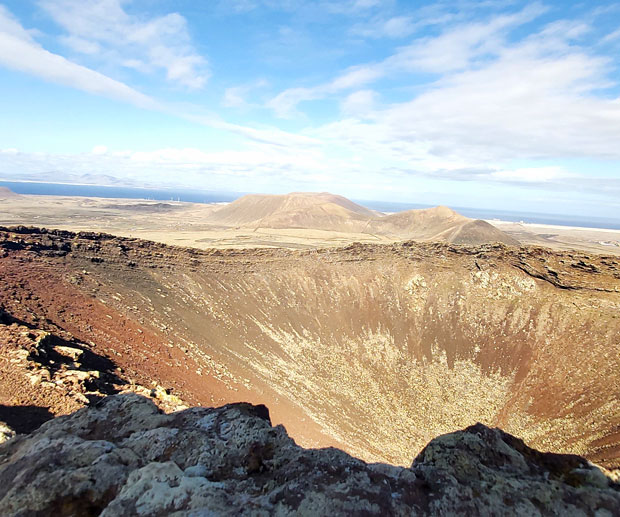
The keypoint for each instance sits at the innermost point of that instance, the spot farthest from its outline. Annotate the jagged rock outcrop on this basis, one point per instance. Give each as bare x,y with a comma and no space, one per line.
124,457
45,373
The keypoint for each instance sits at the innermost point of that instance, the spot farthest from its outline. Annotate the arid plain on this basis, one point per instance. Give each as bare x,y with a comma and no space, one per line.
187,224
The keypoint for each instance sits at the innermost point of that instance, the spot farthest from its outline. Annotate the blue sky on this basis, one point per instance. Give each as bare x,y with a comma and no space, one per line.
494,104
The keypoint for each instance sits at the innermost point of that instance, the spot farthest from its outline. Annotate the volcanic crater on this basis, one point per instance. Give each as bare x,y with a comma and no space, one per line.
376,349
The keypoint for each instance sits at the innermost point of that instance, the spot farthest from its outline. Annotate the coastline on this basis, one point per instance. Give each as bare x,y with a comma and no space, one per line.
559,227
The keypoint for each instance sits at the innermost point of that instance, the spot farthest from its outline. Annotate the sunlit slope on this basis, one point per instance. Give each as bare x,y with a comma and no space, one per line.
328,212
439,224
381,348
6,193
322,211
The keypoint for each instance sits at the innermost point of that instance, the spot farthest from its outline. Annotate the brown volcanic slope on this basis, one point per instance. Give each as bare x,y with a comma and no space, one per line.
6,193
324,211
440,224
377,349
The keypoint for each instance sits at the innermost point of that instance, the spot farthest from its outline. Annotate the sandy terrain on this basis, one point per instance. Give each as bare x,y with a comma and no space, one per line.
184,224
595,240
169,222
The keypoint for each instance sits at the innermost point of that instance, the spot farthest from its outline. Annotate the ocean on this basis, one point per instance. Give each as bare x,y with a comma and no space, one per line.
208,196
65,189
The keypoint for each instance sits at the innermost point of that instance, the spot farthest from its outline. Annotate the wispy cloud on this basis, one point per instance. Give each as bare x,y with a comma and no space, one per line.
102,28
454,49
493,99
237,96
393,27
285,103
19,51
456,95
341,7
359,103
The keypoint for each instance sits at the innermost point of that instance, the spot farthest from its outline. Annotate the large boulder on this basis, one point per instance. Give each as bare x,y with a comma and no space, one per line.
125,457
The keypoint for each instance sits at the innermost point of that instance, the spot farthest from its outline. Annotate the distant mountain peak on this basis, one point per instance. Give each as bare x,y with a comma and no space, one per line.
332,212
6,192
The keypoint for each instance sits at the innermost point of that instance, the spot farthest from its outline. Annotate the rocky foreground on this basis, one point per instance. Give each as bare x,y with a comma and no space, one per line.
123,456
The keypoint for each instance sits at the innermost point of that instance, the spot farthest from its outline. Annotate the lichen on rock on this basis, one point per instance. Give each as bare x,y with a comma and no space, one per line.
123,456
6,432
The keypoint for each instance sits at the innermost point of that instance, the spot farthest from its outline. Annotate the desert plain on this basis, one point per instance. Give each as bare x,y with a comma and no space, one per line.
187,224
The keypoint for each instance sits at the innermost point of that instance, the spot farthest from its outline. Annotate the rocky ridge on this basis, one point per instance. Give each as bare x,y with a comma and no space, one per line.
124,457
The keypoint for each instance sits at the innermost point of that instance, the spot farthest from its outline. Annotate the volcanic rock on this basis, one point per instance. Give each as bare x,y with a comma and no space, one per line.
5,432
124,457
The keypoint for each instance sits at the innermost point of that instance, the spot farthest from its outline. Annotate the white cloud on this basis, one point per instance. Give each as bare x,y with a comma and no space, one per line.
394,27
612,36
355,77
398,27
340,7
19,51
527,105
81,45
100,149
359,103
285,104
495,100
103,28
236,96
457,48
453,50
532,175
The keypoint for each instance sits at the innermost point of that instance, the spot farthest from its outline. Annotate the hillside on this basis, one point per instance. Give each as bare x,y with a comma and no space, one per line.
476,232
440,224
425,223
374,349
296,210
6,193
328,212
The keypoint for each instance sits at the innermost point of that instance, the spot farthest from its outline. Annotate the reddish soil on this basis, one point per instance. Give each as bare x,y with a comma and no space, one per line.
376,349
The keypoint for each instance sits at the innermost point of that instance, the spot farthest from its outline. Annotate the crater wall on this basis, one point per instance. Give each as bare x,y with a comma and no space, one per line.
376,349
